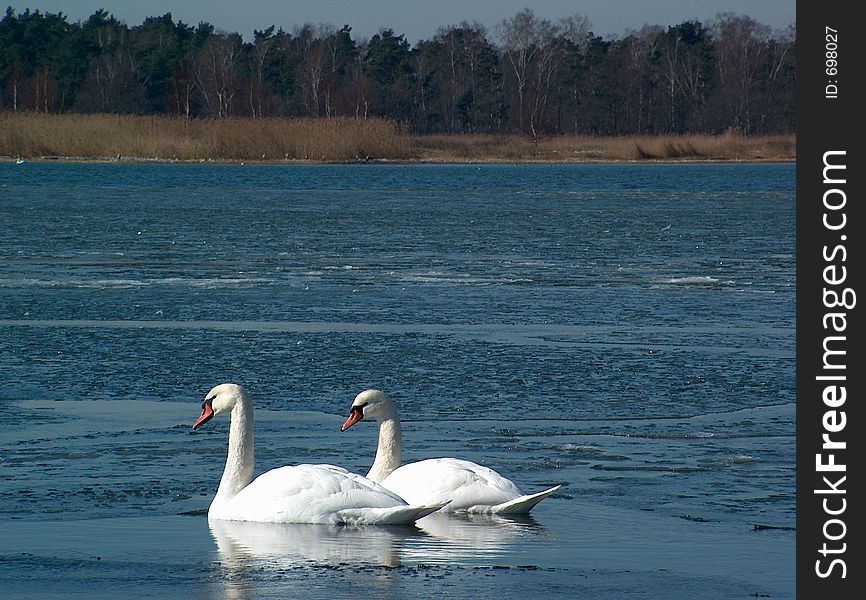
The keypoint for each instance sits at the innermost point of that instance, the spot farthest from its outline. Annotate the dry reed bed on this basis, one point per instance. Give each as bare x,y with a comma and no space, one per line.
728,146
165,138
31,135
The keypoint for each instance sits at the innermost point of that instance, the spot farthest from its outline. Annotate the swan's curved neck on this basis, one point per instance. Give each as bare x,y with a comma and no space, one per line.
388,455
240,461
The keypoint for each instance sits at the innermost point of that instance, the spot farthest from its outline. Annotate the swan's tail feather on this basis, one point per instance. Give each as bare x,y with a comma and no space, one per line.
523,504
395,515
419,512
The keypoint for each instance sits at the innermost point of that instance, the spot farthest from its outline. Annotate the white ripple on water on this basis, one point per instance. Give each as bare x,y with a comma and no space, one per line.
183,282
692,280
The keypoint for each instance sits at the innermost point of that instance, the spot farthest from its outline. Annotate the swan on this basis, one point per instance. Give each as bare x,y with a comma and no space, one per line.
294,494
470,487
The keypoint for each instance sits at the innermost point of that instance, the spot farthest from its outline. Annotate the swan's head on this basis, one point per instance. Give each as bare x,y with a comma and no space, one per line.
370,404
222,398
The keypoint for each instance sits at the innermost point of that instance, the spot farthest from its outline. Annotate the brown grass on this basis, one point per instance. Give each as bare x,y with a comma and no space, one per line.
110,137
32,135
728,146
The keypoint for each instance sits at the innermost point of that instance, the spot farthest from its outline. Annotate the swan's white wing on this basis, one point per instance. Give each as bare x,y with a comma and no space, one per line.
316,494
467,485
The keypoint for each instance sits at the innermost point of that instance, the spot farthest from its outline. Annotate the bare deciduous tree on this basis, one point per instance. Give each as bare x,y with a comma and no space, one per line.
740,45
218,72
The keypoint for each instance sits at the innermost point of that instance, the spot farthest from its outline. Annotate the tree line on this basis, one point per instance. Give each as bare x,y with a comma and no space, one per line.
529,75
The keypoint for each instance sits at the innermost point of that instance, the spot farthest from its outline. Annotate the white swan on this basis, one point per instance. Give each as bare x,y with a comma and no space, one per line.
295,494
469,486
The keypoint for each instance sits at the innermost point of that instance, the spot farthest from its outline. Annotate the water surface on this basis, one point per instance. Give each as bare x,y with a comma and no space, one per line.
626,330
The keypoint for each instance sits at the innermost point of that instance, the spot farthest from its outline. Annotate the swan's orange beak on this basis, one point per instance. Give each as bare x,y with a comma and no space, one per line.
355,415
206,415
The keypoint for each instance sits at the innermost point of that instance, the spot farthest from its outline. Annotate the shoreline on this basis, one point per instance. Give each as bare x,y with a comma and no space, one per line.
129,138
124,160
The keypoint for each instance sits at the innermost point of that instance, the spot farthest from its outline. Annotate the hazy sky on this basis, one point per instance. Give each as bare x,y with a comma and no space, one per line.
416,20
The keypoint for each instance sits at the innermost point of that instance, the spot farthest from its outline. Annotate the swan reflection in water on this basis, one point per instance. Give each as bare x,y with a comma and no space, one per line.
434,539
293,545
469,539
288,552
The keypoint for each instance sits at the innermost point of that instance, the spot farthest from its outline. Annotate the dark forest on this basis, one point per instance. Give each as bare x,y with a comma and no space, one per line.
527,75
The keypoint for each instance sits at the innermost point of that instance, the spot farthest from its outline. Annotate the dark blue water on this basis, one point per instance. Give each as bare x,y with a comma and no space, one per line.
626,330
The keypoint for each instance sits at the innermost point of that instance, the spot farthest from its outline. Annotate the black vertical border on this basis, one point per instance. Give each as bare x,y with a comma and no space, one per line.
827,123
